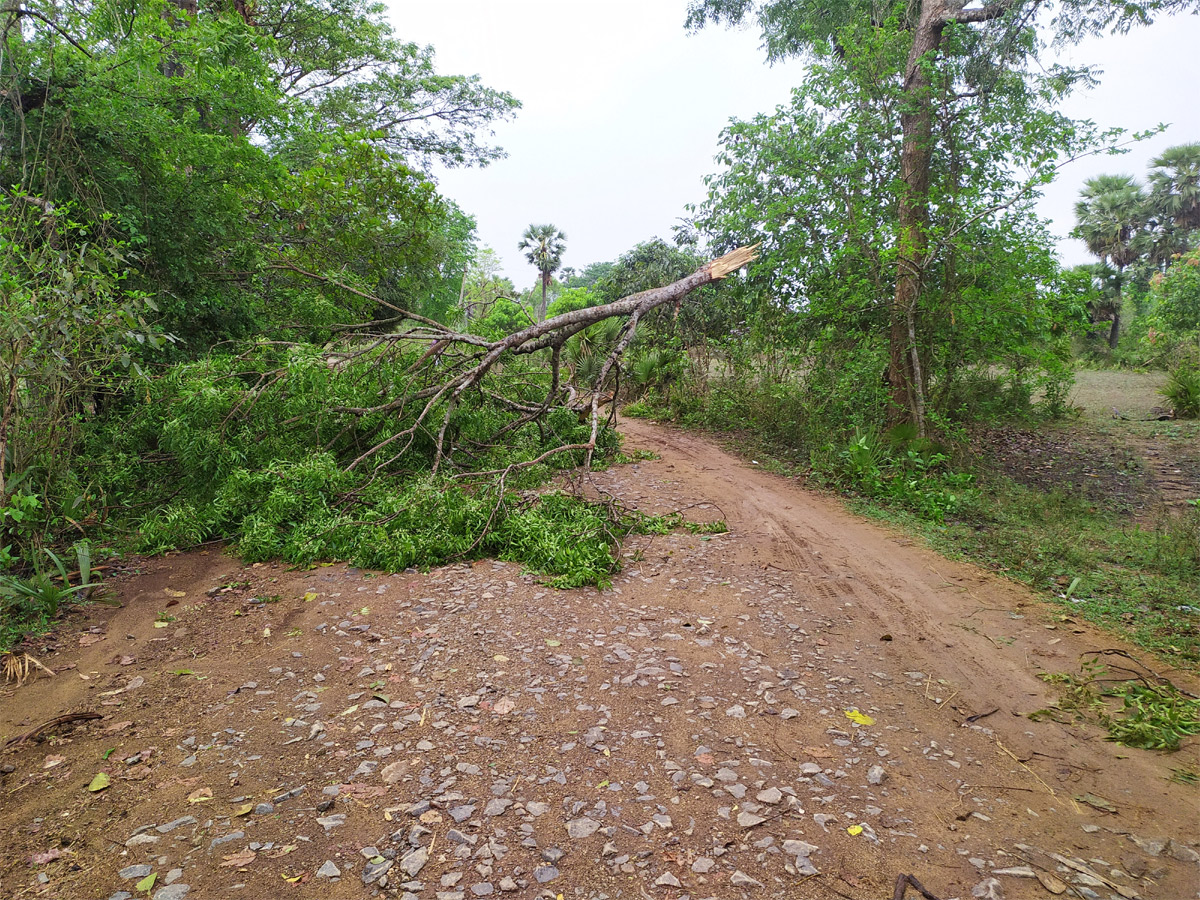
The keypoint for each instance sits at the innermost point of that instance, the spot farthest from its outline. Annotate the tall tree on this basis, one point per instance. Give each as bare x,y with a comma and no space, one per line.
950,48
1175,185
1111,216
544,246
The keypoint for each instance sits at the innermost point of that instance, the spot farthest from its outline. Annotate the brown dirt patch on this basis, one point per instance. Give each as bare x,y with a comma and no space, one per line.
687,722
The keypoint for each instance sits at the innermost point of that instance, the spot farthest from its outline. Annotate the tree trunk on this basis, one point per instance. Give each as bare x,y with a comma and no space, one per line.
542,308
1114,333
916,160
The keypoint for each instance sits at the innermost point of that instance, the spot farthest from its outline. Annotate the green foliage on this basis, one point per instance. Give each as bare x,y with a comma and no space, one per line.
29,603
572,299
258,449
906,470
70,330
1178,295
1183,391
1146,713
503,317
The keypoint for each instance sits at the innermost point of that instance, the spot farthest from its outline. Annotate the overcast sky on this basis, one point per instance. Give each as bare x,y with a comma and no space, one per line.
622,110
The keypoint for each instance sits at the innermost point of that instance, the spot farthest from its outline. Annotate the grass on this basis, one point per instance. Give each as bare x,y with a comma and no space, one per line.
1140,582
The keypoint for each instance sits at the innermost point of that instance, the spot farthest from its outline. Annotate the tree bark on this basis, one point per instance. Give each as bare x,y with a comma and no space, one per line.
916,163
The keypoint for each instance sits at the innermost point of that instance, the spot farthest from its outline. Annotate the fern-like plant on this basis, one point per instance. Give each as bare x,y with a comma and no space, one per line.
1183,391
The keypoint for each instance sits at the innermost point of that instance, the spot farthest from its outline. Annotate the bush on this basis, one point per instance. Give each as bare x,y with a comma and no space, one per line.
1183,391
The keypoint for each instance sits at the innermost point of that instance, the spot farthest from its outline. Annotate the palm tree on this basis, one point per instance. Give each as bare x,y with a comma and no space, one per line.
1175,185
544,246
1110,218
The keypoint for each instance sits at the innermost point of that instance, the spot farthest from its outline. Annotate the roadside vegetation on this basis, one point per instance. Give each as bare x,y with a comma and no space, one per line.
234,306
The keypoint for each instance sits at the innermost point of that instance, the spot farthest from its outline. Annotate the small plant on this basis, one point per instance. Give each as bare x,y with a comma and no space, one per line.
638,409
41,593
1183,391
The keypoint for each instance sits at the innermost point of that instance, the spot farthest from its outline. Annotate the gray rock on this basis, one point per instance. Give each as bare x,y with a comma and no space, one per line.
770,795
545,874
264,809
749,820
736,712
178,823
582,828
988,889
139,871
173,876
497,807
226,839
484,889
666,879
414,862
142,839
810,769
175,891
462,813
374,871
741,879
508,885
1150,846
799,848
331,821
535,808
703,865
1185,854
876,775
329,870
121,895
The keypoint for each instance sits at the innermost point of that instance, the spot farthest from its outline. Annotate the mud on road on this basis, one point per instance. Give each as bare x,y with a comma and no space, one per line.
804,707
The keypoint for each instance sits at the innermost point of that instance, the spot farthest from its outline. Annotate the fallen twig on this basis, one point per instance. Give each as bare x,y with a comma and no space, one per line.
904,882
45,726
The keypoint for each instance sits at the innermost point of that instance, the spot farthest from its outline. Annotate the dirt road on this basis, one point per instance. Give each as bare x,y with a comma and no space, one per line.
785,710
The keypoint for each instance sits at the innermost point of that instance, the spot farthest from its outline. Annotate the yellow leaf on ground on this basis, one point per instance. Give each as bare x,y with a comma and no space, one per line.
245,809
99,783
854,830
859,718
200,795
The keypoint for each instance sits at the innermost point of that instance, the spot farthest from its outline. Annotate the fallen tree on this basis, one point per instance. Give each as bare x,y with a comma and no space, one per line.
458,362
400,442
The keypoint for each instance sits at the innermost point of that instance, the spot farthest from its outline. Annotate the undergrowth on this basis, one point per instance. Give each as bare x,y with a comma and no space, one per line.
259,449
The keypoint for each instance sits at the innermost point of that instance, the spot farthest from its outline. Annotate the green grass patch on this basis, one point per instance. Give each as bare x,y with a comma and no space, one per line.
1138,581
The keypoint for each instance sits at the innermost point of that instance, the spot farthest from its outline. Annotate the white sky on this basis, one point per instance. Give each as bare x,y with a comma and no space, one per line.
622,112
